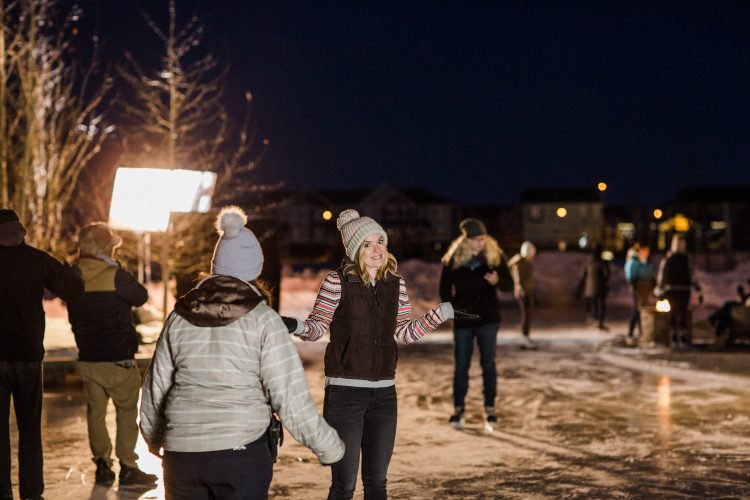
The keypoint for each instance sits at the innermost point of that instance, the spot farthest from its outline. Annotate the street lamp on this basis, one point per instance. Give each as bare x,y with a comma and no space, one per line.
602,186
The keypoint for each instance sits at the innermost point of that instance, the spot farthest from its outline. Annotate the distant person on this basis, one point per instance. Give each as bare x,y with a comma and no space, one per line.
102,321
721,319
223,363
366,307
522,269
595,281
474,268
25,272
640,274
675,281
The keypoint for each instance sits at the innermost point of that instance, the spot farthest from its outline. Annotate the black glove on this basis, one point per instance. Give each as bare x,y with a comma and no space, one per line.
290,323
459,314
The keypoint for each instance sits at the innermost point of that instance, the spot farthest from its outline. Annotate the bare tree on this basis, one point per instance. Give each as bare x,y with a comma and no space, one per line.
51,121
179,119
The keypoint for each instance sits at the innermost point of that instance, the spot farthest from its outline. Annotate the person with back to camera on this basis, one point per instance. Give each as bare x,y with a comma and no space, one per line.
474,267
25,272
595,279
223,363
674,282
522,269
640,274
364,303
102,321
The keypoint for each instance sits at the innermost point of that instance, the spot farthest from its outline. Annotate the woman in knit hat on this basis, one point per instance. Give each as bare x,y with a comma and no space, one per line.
474,267
364,303
223,363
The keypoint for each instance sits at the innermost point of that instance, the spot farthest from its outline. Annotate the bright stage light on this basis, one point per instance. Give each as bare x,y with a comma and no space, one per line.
143,198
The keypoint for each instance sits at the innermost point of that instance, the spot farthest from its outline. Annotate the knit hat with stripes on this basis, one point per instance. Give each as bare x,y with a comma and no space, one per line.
354,229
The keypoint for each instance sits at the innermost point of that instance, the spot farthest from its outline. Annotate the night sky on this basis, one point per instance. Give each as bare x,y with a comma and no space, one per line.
478,100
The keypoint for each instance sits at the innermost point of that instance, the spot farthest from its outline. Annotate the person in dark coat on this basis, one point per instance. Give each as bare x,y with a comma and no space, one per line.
595,279
25,272
474,267
674,282
102,322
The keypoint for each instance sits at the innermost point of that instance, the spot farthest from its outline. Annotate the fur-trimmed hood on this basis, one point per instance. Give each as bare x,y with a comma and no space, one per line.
217,301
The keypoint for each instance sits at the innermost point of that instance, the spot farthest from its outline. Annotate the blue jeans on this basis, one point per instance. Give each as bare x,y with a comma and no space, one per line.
463,339
365,419
22,380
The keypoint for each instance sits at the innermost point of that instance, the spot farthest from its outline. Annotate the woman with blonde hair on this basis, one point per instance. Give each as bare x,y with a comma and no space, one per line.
474,267
366,307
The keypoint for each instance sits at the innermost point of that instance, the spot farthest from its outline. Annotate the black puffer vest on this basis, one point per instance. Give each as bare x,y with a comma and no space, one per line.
362,331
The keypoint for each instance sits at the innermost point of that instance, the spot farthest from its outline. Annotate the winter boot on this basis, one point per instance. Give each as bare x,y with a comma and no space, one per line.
457,419
491,422
104,474
134,475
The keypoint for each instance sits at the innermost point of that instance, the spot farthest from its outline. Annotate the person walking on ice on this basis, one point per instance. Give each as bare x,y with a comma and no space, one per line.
474,267
522,269
364,303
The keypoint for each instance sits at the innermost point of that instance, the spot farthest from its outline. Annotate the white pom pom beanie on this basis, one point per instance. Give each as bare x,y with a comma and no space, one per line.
237,253
354,229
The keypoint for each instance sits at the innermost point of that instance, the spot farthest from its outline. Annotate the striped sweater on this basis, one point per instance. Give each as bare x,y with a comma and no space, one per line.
206,387
407,330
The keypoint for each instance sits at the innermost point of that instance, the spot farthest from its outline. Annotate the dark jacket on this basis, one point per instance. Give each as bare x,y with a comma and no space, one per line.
466,288
24,274
676,273
596,273
362,330
102,317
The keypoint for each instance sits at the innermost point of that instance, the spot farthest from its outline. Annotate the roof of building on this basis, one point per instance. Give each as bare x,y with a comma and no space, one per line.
556,195
714,194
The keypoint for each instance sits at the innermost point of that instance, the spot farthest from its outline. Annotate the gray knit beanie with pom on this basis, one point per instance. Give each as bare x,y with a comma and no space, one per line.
354,229
237,253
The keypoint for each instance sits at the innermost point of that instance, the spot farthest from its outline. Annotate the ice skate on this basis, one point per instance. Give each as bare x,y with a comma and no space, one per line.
491,421
527,343
457,419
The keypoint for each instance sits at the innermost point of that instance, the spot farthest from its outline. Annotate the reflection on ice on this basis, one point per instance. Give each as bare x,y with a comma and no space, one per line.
664,409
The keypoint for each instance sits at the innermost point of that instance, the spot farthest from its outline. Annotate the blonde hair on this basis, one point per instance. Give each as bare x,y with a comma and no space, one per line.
459,252
357,268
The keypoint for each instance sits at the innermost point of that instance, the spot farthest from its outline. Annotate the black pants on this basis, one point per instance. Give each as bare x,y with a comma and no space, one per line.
219,475
598,308
678,315
722,317
524,306
22,380
365,419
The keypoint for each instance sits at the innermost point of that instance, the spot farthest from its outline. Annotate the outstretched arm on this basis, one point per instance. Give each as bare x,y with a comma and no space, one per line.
410,330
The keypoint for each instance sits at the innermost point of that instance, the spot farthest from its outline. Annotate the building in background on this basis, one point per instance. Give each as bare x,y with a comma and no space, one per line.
721,215
563,217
